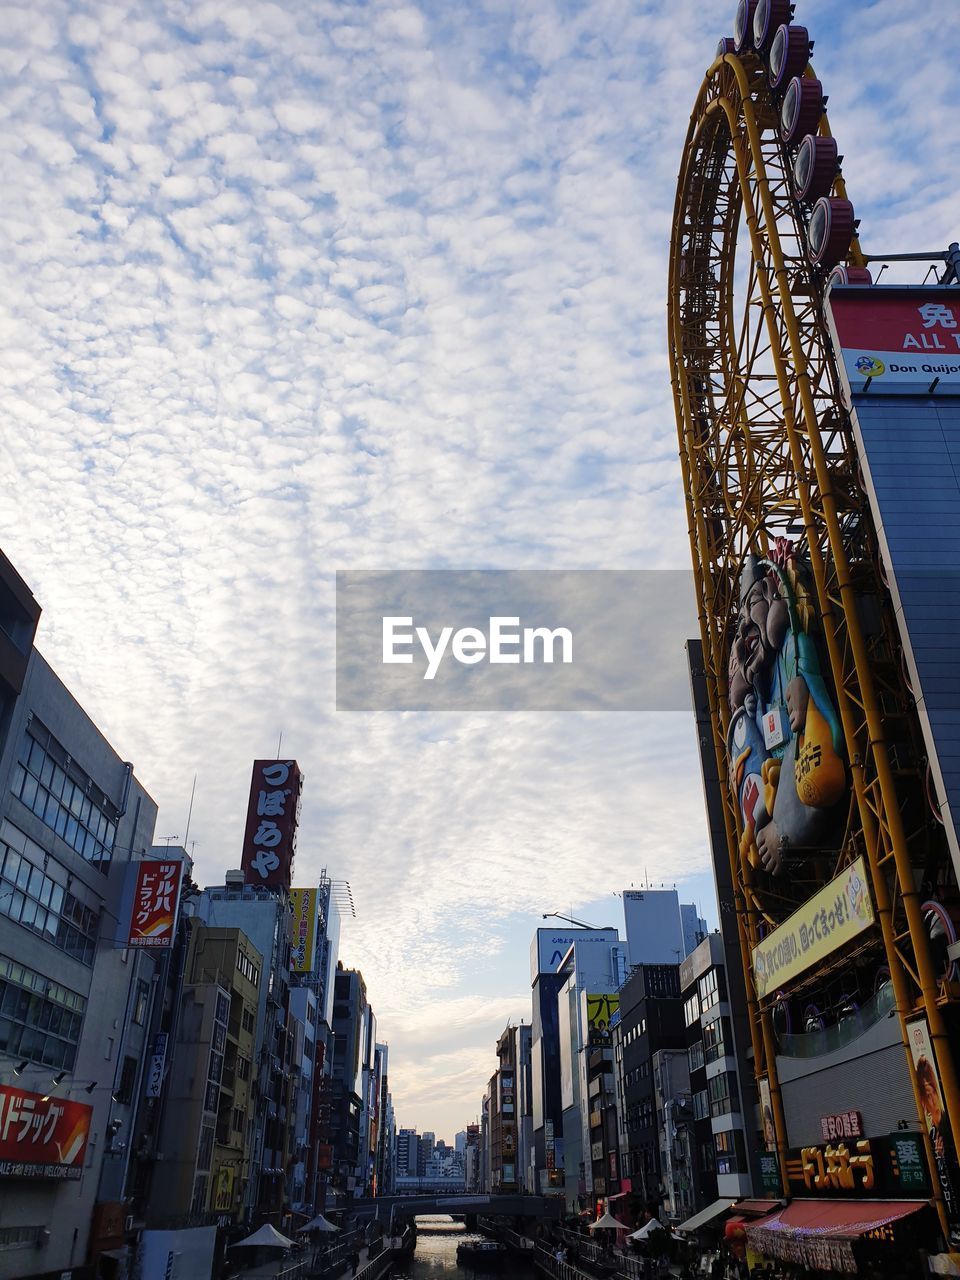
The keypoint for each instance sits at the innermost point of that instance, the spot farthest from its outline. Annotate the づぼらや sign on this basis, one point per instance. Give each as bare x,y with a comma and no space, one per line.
271,833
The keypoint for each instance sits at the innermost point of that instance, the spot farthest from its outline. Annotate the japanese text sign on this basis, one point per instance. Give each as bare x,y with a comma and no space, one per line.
271,833
846,1124
303,943
41,1137
834,915
898,340
156,897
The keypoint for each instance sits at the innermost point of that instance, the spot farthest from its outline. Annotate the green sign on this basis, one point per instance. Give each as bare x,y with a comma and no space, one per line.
906,1156
770,1177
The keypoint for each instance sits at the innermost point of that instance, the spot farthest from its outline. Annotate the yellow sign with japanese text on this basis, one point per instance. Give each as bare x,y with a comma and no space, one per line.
835,915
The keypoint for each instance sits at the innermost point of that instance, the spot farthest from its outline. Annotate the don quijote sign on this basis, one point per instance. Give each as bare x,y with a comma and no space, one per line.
272,815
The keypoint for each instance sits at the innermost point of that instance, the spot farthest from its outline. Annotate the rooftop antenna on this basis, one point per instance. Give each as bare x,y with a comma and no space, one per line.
186,834
168,840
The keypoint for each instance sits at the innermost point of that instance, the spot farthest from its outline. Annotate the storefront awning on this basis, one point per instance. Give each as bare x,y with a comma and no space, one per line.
820,1233
758,1208
707,1215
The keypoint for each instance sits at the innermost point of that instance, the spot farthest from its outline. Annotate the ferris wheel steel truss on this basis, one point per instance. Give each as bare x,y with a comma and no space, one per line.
767,452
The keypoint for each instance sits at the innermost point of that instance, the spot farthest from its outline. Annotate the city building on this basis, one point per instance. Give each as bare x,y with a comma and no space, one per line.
347,1082
75,1003
207,1128
660,929
650,1022
674,1120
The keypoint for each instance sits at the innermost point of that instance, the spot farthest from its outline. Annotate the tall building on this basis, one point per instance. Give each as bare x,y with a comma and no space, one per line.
75,1006
207,1125
694,927
547,975
348,1078
651,1021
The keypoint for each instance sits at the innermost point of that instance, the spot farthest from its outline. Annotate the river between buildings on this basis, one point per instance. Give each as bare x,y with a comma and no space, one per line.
436,1255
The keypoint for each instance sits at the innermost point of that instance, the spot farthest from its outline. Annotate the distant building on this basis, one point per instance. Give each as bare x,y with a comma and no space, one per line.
694,927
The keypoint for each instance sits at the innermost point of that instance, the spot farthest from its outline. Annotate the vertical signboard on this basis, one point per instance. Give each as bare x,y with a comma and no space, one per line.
154,902
304,905
271,833
936,1120
156,1066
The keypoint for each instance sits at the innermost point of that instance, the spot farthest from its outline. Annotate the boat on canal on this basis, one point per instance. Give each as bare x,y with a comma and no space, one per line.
482,1255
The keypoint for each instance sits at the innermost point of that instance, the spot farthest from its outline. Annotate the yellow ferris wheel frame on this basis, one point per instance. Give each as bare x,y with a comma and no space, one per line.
767,451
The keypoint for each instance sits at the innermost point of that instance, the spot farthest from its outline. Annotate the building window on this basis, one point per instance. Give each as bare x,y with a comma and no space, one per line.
248,1021
199,1202
243,1068
708,1157
701,1106
722,1090
695,1056
34,900
63,797
39,1019
731,1157
141,1002
128,1076
691,1010
22,1237
709,992
715,1035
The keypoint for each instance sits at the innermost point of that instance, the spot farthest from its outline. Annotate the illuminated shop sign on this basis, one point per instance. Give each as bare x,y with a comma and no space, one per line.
41,1137
853,1167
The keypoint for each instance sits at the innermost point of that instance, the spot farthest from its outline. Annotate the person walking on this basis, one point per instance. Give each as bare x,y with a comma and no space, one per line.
355,1261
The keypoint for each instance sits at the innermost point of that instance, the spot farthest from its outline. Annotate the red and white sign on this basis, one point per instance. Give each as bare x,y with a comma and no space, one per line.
156,897
271,833
41,1138
897,340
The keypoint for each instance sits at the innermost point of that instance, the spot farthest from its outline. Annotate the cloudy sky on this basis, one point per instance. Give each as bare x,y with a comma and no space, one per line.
295,287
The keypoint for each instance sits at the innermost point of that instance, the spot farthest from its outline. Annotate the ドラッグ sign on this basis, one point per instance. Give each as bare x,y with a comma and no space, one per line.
41,1137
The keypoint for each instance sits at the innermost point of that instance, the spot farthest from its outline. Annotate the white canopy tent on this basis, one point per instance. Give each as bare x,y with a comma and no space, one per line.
646,1229
609,1223
267,1237
319,1223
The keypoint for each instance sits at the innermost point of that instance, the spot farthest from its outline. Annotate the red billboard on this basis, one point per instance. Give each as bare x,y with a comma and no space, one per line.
270,839
156,896
897,340
41,1137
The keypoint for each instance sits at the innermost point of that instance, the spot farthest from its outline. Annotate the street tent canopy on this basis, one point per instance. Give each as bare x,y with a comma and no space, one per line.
820,1233
653,1225
706,1216
267,1237
319,1223
608,1222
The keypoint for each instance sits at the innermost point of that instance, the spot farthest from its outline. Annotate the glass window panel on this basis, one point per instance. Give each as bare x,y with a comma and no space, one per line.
36,757
29,792
19,774
76,802
60,825
89,846
70,834
16,905
36,882
101,826
11,866
78,838
111,835
40,801
46,771
51,925
28,912
56,897
59,778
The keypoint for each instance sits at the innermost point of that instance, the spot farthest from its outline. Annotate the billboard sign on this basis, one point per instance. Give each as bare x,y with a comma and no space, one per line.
303,944
602,1010
936,1120
270,838
41,1137
551,945
154,902
897,340
836,914
156,1065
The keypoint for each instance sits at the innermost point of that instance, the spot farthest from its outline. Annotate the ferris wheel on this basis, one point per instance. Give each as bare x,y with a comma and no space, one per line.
762,227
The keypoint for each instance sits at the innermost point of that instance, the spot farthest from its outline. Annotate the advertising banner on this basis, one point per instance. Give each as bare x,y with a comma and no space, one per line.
156,1065
154,902
937,1120
41,1137
303,944
835,915
223,1189
897,340
601,1010
270,837
766,1115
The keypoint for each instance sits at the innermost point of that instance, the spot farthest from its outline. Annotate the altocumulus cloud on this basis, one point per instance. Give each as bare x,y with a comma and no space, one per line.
297,287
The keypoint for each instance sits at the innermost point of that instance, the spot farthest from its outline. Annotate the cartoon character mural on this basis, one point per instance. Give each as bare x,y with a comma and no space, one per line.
784,744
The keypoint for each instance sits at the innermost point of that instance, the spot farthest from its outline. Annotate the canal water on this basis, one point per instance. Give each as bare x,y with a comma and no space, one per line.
436,1255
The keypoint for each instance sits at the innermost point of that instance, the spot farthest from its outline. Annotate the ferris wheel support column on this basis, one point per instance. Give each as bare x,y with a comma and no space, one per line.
926,976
